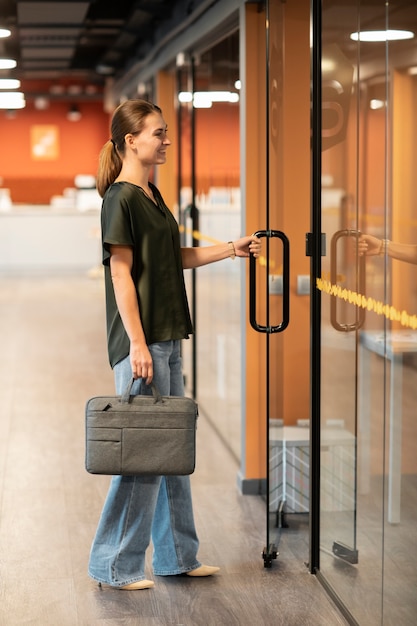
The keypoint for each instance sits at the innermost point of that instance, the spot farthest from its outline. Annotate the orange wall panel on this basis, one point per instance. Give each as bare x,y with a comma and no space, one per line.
217,143
79,144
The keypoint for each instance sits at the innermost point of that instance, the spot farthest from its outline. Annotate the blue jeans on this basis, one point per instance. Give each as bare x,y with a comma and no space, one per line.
138,508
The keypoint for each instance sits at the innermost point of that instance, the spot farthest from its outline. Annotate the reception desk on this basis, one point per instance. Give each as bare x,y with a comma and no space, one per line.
43,238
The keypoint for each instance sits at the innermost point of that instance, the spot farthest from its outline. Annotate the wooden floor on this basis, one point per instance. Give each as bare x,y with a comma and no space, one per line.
53,358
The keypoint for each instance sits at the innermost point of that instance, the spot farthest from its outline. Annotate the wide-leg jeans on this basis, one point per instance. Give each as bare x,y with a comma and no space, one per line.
138,508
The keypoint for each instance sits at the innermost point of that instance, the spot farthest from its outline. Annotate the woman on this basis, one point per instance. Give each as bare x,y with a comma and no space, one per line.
369,245
147,317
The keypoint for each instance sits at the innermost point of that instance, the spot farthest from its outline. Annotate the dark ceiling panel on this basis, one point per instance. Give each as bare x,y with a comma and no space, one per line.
86,41
51,12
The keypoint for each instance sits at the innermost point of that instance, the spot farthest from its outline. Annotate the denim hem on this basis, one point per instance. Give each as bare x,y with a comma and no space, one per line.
116,585
177,572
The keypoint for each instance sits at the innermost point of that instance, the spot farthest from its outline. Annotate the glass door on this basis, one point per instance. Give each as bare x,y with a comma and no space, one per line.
283,282
210,212
277,282
364,146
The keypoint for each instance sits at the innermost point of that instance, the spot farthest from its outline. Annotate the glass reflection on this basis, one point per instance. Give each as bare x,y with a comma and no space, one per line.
369,375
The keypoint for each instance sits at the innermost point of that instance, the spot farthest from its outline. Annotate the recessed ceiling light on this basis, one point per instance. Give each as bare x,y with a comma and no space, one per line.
57,90
74,89
105,70
7,64
376,104
41,103
382,35
74,113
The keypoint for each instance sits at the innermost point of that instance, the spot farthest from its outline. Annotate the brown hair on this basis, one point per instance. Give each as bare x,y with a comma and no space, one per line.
129,117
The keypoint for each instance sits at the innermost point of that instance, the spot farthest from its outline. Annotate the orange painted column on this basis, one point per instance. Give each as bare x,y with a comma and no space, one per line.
253,179
295,382
404,90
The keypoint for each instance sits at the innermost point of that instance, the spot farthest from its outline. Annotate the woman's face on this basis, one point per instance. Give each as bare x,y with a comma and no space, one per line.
151,144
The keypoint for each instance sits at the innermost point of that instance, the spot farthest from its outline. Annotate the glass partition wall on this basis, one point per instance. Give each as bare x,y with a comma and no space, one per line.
210,210
368,425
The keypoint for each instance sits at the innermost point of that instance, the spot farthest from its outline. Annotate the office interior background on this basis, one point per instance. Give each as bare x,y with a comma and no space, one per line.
292,119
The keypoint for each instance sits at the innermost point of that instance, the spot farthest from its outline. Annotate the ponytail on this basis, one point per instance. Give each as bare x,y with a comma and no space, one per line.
109,166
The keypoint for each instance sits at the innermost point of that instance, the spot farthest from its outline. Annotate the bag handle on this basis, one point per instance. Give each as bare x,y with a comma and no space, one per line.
127,397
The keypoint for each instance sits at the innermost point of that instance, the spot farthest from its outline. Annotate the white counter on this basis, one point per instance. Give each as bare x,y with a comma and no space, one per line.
42,238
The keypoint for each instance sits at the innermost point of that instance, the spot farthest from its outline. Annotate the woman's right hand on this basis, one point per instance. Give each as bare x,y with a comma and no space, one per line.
369,245
141,362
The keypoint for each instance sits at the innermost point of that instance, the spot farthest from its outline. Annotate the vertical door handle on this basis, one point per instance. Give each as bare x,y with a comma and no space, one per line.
345,327
285,280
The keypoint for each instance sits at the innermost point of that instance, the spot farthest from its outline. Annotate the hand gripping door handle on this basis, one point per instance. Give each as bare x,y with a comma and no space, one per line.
360,287
269,234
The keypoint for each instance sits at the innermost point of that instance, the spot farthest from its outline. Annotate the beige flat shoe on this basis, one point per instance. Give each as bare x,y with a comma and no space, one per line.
203,570
140,584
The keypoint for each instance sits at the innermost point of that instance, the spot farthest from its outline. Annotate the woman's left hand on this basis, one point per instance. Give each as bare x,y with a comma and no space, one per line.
246,246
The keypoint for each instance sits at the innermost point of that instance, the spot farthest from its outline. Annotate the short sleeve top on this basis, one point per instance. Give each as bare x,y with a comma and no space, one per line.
130,218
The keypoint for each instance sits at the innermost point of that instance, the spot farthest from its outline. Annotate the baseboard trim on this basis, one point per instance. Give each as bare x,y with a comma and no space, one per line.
251,486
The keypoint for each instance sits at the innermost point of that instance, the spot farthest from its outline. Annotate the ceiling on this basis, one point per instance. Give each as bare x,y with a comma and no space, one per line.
85,42
75,42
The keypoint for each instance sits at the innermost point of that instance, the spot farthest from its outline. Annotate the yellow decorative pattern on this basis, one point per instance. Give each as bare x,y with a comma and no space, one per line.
370,304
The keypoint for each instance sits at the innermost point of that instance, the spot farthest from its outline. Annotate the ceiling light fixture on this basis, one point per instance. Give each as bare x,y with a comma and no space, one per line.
205,99
9,83
382,35
105,70
5,32
41,103
376,104
7,64
74,113
12,100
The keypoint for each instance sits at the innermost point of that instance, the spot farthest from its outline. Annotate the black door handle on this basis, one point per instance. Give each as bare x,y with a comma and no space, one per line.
285,280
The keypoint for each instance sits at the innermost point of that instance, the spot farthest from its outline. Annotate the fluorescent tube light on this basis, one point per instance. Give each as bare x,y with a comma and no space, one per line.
205,99
7,64
382,35
12,100
9,83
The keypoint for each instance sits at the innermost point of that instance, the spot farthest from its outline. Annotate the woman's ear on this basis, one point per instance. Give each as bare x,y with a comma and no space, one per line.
129,138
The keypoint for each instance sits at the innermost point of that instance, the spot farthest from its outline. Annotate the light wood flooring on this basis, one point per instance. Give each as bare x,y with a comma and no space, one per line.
53,357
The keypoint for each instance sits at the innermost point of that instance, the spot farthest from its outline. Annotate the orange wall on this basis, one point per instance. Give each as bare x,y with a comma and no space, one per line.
80,142
79,145
217,148
218,144
33,181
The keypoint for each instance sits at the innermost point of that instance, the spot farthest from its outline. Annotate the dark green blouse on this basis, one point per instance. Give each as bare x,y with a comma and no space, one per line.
130,218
